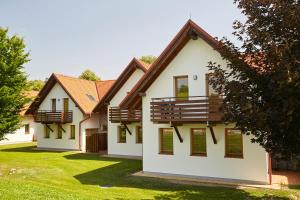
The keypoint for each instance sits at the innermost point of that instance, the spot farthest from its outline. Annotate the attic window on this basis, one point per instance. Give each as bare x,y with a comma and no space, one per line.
91,97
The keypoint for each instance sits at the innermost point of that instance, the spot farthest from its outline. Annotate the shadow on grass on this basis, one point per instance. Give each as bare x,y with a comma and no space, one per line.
294,187
27,149
119,175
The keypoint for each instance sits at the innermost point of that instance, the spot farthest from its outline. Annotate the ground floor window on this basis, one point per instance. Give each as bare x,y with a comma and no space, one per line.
166,141
46,132
121,134
59,132
27,129
72,131
233,143
198,142
139,134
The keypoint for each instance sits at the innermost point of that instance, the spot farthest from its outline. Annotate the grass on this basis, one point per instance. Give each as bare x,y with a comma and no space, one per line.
71,175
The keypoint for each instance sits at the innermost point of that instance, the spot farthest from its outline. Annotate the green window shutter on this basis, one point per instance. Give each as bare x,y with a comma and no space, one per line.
166,141
121,134
234,143
198,141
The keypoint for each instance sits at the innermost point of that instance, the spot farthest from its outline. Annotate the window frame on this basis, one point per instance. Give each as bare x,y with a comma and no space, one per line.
53,105
46,132
64,104
175,78
230,155
119,132
202,154
59,133
137,128
27,129
161,132
71,132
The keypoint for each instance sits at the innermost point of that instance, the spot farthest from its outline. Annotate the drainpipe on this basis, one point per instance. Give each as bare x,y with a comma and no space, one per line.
270,167
88,117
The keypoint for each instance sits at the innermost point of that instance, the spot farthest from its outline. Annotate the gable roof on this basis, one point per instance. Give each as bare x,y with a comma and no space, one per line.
85,94
123,77
189,31
29,94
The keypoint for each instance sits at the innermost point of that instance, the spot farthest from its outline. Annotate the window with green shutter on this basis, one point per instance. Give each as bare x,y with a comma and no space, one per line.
27,129
72,131
59,132
46,132
233,143
198,142
121,134
166,141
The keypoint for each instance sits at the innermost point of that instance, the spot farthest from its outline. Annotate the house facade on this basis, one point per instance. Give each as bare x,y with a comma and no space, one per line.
124,132
182,126
63,114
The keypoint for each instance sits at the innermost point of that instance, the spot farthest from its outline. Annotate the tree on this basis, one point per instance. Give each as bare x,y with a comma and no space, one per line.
89,75
12,81
35,85
262,81
148,59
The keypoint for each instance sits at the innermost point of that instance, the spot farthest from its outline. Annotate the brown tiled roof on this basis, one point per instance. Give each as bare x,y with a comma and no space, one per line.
29,94
124,76
84,93
189,31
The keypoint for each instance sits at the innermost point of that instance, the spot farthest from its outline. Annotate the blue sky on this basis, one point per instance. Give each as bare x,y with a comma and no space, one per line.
69,36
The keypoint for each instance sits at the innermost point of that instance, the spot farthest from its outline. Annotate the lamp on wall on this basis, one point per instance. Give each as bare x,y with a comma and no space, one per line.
195,77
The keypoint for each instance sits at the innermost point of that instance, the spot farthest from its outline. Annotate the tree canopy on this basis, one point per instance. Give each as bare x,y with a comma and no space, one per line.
148,59
35,85
12,81
89,75
262,81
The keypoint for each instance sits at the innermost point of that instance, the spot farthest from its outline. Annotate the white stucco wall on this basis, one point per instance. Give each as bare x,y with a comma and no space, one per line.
192,60
64,143
130,148
19,135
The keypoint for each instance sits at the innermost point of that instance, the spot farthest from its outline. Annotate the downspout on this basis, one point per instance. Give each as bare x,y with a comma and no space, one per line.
89,116
270,167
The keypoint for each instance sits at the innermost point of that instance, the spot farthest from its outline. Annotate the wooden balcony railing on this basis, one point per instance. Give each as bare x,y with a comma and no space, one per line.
117,115
49,117
193,109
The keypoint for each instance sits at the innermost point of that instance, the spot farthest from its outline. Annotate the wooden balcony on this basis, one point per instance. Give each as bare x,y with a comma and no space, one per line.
194,109
118,115
50,117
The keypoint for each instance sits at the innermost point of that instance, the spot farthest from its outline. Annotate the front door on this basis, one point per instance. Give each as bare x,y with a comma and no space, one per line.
95,141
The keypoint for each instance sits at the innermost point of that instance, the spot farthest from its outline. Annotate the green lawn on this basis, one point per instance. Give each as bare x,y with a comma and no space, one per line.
71,175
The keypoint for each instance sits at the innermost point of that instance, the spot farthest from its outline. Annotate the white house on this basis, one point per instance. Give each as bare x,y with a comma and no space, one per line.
124,137
183,132
63,113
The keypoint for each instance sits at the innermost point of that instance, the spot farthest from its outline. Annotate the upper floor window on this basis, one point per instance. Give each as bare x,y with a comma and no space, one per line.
53,105
181,87
233,143
66,104
210,91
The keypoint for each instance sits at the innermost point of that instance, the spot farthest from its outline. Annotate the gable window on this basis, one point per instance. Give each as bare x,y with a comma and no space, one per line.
27,129
210,91
166,141
53,105
121,134
66,104
233,143
72,131
181,87
46,132
59,132
139,134
198,142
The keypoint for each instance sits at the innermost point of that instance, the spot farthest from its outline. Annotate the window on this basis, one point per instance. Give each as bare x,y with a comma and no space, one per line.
181,87
166,141
233,143
121,134
59,132
27,129
209,89
66,104
198,141
53,105
104,127
72,131
46,132
139,134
